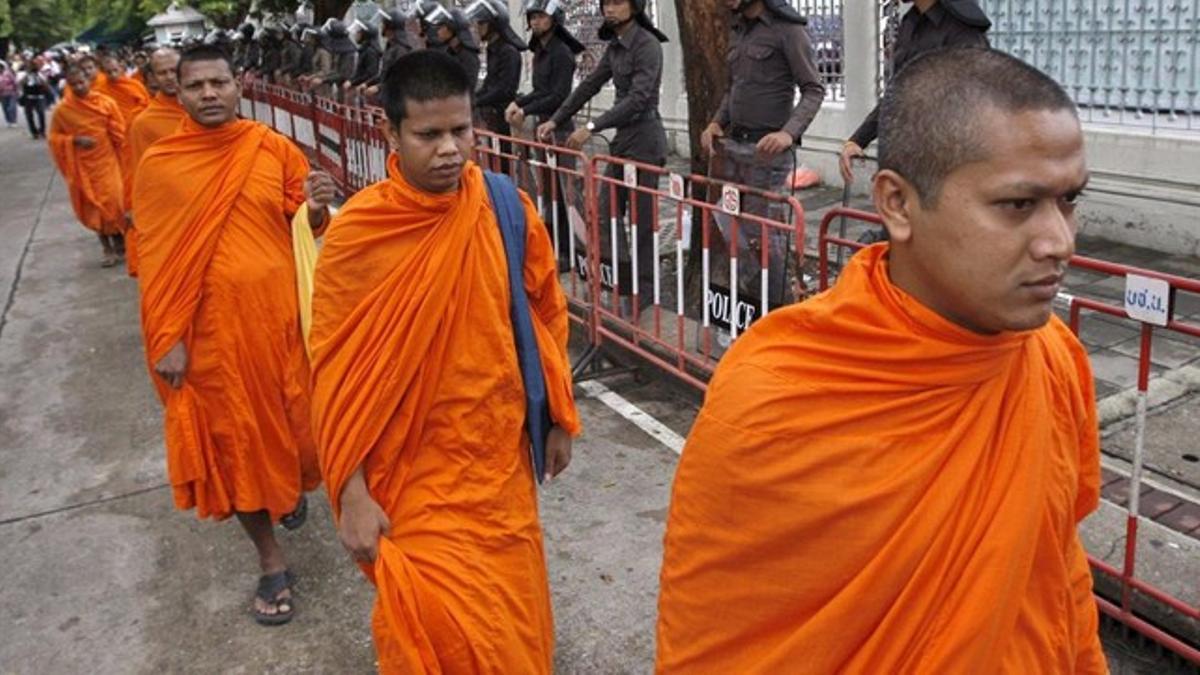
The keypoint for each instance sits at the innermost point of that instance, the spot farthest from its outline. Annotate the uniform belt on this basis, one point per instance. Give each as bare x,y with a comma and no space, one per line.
744,135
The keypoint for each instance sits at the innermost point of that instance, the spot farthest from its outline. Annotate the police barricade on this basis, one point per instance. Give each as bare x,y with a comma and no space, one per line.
1122,592
557,181
681,321
365,147
329,121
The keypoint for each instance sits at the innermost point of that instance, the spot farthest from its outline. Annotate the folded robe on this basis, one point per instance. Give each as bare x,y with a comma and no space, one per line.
416,381
870,488
213,209
161,118
93,175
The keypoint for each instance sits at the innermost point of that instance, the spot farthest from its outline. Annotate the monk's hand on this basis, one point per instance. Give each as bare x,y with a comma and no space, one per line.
362,522
319,191
710,134
85,142
775,143
558,453
172,366
545,132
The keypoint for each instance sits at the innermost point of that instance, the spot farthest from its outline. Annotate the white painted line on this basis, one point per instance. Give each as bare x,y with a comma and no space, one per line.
631,412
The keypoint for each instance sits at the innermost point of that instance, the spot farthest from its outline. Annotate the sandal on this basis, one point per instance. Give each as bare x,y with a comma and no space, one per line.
110,260
295,519
269,588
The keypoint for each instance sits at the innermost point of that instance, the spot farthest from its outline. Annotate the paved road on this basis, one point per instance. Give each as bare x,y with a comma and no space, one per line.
101,575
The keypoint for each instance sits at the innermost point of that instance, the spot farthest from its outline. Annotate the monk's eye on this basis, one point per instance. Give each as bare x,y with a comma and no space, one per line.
1018,204
1073,198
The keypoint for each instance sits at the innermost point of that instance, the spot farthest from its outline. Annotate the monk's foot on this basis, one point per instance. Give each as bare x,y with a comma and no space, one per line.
273,600
296,518
110,259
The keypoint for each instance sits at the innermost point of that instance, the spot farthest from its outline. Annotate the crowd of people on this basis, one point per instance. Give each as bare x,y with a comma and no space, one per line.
419,369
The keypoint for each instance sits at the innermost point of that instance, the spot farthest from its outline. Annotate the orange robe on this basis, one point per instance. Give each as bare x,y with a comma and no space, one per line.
416,380
131,98
93,176
161,118
213,209
870,488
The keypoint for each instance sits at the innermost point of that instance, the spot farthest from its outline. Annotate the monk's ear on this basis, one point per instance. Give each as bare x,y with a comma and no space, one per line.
897,201
392,133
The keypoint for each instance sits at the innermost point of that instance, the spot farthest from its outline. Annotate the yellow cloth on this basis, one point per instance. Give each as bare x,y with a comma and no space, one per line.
304,250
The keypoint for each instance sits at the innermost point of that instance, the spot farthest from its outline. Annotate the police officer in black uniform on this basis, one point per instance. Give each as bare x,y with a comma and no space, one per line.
554,51
393,25
369,55
928,25
633,61
452,28
753,136
503,76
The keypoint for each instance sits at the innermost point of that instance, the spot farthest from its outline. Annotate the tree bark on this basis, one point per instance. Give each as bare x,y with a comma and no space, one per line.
704,37
323,9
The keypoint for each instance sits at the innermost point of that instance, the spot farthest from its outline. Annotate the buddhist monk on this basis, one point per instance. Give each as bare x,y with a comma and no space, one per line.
220,316
131,98
419,401
87,136
161,118
888,477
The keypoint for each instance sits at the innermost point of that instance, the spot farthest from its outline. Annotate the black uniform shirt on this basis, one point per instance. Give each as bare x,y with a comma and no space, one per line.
367,66
503,76
553,75
768,59
634,63
920,33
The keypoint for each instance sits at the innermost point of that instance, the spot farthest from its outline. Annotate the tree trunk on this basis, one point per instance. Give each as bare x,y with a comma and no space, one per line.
323,9
704,37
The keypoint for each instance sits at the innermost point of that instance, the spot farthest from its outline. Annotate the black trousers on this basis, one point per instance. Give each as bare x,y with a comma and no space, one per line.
36,111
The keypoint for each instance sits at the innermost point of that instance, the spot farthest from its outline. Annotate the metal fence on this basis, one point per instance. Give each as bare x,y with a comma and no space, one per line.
1132,64
827,32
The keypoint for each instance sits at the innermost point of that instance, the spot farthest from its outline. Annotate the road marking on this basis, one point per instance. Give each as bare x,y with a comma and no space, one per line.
631,412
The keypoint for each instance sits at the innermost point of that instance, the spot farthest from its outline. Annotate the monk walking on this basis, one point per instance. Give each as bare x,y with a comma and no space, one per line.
131,98
220,315
888,478
87,136
161,118
422,401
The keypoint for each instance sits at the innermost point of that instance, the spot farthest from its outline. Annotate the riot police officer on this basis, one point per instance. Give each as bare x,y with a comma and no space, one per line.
633,61
554,51
759,124
452,29
503,77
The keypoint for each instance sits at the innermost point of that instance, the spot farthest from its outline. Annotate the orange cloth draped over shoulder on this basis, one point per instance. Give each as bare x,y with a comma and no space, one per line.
93,175
160,119
416,381
131,98
870,488
213,208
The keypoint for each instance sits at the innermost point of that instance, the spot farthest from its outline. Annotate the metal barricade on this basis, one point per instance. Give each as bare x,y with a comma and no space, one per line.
557,180
329,120
671,325
1138,604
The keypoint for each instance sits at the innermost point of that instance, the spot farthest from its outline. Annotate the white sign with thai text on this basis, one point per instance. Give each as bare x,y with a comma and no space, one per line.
1148,299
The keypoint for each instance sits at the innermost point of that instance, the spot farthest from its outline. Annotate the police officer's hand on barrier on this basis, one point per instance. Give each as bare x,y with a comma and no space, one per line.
712,132
775,143
545,132
514,115
850,151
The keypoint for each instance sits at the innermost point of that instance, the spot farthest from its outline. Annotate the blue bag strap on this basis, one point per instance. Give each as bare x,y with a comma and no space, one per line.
510,213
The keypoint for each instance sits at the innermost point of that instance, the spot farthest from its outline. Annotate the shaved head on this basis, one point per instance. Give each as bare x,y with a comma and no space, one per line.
163,64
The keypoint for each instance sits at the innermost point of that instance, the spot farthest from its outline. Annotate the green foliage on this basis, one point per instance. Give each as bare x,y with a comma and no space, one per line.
6,24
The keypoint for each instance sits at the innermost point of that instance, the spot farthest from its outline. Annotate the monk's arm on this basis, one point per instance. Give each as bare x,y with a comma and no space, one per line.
361,521
541,276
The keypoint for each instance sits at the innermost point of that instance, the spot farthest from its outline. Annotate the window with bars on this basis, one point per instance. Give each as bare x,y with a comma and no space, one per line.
826,30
